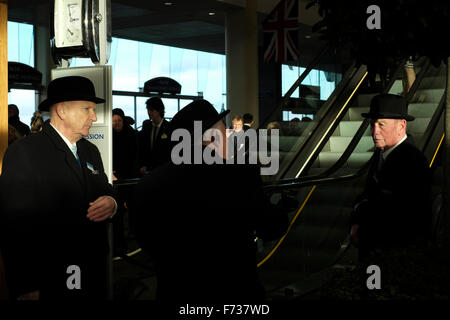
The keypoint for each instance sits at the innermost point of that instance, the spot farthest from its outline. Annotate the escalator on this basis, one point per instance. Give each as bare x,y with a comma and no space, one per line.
327,180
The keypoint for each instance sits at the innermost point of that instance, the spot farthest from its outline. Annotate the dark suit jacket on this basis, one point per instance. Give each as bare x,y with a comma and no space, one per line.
203,243
125,153
160,153
22,129
395,207
44,197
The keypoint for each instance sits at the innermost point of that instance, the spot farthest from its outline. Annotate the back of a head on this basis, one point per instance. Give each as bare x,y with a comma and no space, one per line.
197,110
36,122
13,110
248,118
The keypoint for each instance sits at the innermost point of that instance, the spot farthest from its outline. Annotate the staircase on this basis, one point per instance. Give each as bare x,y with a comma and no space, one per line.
322,227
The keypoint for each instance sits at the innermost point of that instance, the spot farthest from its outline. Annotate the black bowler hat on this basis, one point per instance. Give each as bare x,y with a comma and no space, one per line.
388,106
71,88
197,110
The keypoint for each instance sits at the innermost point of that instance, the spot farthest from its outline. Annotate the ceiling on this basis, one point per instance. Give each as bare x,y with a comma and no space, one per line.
186,23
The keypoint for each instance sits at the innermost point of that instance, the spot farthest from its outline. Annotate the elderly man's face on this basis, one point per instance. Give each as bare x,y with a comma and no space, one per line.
387,132
79,116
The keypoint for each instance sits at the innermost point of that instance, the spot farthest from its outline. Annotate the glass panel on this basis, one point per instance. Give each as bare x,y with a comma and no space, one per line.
141,111
125,103
21,43
25,101
299,116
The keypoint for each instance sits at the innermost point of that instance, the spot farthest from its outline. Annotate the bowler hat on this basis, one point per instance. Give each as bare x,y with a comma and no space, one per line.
197,110
388,106
70,88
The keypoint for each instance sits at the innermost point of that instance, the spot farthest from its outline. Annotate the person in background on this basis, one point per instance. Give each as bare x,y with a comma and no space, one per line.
13,119
248,121
36,122
238,123
154,137
12,134
125,166
125,148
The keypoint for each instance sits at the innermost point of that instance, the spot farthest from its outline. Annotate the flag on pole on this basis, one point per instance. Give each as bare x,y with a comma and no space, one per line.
281,32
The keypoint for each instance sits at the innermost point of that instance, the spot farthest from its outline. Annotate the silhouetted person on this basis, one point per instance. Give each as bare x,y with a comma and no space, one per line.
248,121
13,119
154,138
125,148
55,200
199,221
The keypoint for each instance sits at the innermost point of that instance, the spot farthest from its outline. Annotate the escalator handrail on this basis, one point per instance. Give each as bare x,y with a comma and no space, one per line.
295,85
350,148
327,107
433,123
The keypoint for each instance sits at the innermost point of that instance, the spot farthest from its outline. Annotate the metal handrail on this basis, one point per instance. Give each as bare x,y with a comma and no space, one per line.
350,148
294,86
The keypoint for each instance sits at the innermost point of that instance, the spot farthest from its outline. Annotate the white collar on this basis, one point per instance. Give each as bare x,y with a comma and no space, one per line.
69,144
387,152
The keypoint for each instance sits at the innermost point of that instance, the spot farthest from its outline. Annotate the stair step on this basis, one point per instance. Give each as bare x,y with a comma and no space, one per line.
418,126
339,144
363,99
422,110
356,160
428,95
354,114
348,128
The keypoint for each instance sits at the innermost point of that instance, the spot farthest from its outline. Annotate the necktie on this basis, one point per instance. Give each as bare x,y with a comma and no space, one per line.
74,151
152,138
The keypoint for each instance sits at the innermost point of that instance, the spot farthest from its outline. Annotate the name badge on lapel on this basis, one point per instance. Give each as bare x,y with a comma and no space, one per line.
91,168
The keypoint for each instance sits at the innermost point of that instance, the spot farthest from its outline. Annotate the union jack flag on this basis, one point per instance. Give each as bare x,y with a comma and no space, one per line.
281,32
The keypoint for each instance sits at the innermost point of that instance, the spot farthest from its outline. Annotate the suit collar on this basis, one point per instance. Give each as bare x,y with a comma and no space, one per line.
61,146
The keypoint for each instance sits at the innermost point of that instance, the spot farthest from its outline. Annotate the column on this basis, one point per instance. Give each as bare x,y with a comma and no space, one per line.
241,49
3,79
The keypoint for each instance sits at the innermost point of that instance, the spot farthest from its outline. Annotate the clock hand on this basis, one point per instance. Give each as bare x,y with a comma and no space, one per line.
71,33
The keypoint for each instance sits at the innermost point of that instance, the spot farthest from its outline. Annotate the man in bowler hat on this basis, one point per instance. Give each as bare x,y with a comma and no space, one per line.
201,222
394,211
55,201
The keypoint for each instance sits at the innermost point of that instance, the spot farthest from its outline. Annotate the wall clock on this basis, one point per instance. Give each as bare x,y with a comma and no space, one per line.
78,28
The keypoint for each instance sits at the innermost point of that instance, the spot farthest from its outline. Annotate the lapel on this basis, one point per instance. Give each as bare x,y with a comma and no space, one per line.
61,146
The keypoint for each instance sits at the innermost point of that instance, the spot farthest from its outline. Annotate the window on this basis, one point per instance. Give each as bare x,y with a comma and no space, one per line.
21,49
135,62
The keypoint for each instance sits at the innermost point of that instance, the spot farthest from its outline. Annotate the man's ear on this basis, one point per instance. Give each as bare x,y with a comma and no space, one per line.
402,124
60,109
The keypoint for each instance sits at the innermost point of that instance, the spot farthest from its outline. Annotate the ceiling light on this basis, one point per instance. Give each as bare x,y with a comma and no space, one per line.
168,3
308,37
212,13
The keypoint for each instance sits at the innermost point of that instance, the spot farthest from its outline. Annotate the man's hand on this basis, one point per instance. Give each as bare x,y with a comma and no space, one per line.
101,209
354,235
29,296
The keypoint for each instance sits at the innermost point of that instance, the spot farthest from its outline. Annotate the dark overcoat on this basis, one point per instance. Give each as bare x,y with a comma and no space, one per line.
199,223
44,198
395,207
